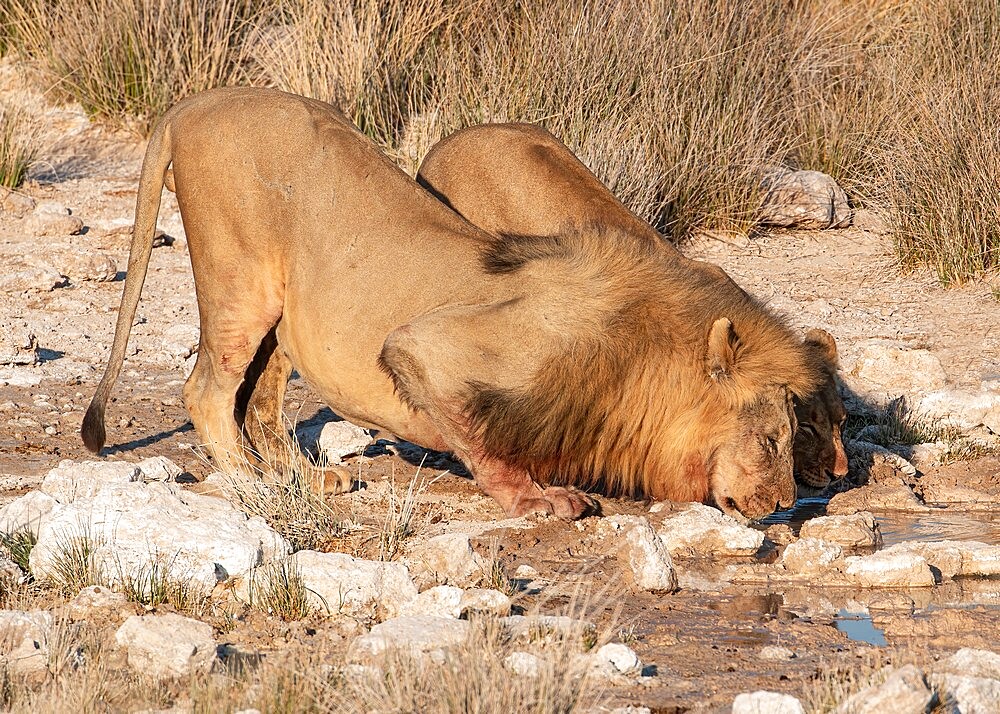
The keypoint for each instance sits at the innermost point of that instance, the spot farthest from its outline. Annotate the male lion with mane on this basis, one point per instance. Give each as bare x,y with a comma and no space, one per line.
545,364
519,179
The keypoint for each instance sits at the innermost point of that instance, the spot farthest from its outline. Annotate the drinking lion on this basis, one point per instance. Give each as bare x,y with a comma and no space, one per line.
546,364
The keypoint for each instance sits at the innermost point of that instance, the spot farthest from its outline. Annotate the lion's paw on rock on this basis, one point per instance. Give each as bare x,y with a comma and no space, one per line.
558,501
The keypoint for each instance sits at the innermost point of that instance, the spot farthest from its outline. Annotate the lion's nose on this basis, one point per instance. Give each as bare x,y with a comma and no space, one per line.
840,463
787,499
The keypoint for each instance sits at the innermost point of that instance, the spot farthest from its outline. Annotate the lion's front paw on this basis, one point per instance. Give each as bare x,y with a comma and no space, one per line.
336,480
558,501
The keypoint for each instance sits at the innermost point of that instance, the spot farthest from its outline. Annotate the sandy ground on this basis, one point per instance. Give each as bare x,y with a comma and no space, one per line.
704,641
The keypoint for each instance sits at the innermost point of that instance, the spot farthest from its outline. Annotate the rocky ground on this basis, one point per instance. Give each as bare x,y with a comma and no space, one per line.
889,580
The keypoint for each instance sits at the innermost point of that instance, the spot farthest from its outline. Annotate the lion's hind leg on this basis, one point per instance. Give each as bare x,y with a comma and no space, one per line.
231,331
434,360
264,423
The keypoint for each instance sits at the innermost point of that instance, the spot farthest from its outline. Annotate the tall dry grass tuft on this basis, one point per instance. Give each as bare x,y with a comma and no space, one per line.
677,106
20,143
128,60
944,184
365,56
278,589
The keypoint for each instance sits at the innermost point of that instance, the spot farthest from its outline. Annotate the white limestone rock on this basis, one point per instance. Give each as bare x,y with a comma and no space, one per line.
640,551
18,344
418,634
905,691
887,369
775,653
179,342
615,659
973,663
96,598
159,468
889,570
524,664
439,601
15,203
954,558
965,409
26,513
10,572
130,526
447,559
972,695
893,495
859,530
169,645
762,702
484,600
41,278
366,589
811,555
340,439
24,638
51,220
529,629
80,265
809,200
83,479
702,530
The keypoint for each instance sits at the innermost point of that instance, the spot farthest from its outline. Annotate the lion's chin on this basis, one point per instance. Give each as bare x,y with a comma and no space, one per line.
728,506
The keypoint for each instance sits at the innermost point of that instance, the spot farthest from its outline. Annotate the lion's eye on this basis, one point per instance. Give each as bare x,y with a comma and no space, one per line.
808,428
772,443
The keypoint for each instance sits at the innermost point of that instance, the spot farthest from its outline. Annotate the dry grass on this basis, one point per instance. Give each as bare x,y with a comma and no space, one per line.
289,496
365,56
73,565
129,60
896,424
155,583
495,575
678,105
17,546
278,589
20,142
835,683
399,525
85,676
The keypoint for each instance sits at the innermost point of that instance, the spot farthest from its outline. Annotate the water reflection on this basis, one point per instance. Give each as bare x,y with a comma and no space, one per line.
858,626
951,523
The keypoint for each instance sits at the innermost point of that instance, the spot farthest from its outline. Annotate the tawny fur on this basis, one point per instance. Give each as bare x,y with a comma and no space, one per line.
519,179
306,242
627,405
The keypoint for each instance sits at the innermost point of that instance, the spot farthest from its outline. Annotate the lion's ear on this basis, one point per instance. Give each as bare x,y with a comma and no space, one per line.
721,349
824,343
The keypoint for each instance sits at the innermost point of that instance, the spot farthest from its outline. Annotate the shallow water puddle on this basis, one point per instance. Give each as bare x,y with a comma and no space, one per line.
940,524
794,517
943,523
858,626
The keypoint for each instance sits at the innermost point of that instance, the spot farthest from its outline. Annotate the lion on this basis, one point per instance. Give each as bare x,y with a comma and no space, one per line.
819,448
546,364
519,179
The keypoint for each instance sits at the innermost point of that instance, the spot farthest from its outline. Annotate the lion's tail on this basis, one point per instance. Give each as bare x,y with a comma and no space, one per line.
147,207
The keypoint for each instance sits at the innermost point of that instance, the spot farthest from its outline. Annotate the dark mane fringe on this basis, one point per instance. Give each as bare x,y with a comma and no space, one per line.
627,403
510,252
